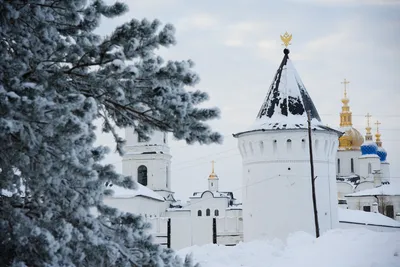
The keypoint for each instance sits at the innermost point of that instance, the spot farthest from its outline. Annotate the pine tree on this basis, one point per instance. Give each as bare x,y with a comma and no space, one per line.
56,78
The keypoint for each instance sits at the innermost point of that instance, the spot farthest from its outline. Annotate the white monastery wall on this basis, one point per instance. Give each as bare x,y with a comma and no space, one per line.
208,202
276,164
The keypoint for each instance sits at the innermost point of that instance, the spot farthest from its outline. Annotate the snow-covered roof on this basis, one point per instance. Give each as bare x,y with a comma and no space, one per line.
353,180
235,207
386,190
287,103
178,209
121,192
371,218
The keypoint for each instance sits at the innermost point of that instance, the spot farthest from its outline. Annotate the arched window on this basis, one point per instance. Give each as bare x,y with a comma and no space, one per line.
199,213
352,165
208,212
338,165
216,212
369,168
142,175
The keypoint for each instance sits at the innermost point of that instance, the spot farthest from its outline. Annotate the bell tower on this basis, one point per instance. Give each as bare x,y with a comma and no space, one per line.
213,179
148,162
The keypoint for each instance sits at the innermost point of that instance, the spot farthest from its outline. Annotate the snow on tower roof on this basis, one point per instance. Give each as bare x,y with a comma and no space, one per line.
287,101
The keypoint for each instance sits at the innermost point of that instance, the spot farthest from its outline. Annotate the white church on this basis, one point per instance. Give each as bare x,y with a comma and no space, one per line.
351,175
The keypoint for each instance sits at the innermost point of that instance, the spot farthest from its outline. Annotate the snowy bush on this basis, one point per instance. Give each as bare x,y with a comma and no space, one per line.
56,78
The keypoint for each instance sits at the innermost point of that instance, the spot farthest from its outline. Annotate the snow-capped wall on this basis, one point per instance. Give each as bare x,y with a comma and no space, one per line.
276,167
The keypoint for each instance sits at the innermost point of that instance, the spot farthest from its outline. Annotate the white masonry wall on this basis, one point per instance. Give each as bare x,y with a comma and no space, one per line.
280,170
345,157
367,173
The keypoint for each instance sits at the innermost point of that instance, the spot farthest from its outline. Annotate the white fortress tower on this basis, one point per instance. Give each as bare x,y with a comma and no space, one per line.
148,162
277,191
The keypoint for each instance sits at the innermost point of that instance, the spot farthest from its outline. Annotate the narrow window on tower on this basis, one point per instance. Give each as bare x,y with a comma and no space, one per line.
216,212
352,165
262,147
369,168
166,176
208,212
165,138
142,175
326,147
303,144
274,146
244,149
289,145
316,146
199,213
251,148
338,166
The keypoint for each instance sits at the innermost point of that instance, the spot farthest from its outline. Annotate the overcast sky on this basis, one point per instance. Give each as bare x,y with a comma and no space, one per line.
237,50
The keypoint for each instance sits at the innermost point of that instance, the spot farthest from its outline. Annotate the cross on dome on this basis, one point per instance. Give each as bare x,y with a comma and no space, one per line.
368,135
377,123
368,116
345,82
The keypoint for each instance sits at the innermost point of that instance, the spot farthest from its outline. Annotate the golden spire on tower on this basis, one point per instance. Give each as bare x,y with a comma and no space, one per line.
378,135
212,175
345,115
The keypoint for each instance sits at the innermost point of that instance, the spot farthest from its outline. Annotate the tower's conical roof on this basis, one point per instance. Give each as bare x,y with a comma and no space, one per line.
287,101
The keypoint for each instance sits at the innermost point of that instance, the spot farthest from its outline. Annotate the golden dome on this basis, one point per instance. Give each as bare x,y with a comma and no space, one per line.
351,139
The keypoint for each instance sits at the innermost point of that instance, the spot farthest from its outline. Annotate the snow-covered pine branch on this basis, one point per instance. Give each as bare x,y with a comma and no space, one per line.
56,78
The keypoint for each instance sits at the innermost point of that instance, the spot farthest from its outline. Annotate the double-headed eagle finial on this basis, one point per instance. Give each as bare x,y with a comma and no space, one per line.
286,38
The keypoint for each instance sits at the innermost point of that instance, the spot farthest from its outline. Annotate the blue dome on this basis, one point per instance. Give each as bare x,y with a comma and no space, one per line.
369,148
382,153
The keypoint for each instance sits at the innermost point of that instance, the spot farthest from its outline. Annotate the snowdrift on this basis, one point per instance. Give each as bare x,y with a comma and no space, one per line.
339,247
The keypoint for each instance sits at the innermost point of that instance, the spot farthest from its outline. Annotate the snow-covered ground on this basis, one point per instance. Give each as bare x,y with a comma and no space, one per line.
336,248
